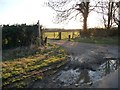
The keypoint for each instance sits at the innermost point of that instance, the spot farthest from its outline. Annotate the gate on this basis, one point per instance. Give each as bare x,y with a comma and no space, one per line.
61,34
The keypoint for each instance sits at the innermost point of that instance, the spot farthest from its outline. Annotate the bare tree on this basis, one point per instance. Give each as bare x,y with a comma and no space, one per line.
84,9
108,9
116,14
70,9
110,14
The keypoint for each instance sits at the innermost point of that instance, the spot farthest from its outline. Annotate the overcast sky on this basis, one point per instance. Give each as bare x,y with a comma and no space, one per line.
30,11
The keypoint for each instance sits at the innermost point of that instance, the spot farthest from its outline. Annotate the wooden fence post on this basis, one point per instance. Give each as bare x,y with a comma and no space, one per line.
45,42
69,38
60,35
39,33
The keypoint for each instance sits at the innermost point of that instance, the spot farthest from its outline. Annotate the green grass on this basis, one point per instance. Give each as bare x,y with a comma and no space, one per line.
98,40
20,72
94,40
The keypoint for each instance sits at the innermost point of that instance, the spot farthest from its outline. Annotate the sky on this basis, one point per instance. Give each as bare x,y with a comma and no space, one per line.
30,11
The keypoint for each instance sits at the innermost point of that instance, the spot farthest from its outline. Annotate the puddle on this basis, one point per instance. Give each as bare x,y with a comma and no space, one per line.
86,76
68,77
71,77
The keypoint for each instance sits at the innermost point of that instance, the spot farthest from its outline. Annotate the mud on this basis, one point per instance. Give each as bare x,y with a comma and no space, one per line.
88,64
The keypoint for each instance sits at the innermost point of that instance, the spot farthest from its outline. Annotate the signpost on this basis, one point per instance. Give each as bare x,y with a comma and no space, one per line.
39,33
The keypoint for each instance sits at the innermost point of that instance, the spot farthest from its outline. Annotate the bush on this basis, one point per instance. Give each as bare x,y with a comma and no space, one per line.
18,35
100,32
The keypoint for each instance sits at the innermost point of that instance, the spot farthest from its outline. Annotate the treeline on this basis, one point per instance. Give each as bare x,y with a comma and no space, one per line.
18,35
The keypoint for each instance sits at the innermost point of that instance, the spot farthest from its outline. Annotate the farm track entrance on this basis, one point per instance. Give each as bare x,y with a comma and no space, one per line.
61,34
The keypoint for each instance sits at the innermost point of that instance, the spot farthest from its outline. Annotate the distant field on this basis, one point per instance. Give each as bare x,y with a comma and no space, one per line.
64,35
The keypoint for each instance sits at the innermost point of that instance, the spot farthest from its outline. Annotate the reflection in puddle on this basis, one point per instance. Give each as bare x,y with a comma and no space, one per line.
86,76
104,69
109,66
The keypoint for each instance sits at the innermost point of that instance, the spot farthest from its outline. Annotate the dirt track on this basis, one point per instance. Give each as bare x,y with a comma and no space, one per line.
85,48
83,68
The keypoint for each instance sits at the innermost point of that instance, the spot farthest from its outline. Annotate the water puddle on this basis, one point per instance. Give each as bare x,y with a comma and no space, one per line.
104,69
82,77
68,77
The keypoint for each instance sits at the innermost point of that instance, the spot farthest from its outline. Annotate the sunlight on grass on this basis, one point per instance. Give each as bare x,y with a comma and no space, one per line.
64,35
21,72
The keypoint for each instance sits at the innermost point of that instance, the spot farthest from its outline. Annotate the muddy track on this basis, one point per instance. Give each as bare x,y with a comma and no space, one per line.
87,64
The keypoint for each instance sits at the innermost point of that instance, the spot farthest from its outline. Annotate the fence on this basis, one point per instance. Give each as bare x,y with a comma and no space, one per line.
61,34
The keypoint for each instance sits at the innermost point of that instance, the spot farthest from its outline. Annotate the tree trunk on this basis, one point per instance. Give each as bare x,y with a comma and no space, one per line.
109,15
85,23
119,29
119,19
110,8
84,31
85,16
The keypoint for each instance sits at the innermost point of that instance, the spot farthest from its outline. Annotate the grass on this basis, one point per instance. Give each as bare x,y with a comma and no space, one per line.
98,40
21,72
94,40
64,35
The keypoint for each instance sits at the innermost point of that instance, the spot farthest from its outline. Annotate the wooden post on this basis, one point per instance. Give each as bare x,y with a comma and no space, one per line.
39,33
69,38
60,35
45,42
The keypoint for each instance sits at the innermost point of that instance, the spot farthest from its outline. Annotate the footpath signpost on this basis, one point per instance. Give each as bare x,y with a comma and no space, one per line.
39,33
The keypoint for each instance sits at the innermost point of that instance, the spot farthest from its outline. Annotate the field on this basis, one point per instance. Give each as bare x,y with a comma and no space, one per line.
64,35
21,71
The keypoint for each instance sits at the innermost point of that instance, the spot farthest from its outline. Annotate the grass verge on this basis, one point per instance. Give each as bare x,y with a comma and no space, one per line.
98,40
21,72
